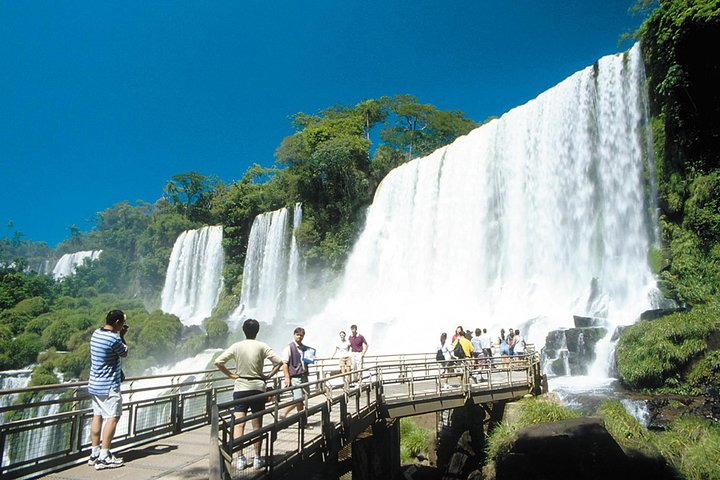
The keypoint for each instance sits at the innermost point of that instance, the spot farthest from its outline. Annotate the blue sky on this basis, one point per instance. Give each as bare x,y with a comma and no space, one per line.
102,102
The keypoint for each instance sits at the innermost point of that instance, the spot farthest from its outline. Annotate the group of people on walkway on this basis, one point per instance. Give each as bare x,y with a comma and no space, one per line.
480,347
108,346
249,357
464,345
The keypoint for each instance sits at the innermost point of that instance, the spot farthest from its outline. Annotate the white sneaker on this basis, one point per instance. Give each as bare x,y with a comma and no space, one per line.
259,462
111,461
242,462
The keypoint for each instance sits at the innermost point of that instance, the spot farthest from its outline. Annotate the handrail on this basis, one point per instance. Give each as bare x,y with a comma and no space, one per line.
377,379
156,411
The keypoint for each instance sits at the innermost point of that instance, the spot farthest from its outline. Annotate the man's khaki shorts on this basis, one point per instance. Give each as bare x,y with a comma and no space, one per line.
107,406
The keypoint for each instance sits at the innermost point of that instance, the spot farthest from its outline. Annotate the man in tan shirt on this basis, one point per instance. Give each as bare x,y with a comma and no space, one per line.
249,356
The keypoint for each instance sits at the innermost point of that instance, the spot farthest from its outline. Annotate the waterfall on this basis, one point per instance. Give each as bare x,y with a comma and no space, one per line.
511,224
194,275
69,262
271,287
12,380
293,295
637,409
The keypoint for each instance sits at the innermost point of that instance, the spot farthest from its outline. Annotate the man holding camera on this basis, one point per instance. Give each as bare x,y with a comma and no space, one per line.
107,346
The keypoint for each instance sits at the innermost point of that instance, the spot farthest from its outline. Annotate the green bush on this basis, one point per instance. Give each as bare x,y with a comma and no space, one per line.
20,351
706,372
43,375
702,209
57,334
657,354
413,440
217,332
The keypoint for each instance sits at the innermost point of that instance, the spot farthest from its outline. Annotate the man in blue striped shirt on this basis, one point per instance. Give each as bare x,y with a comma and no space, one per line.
107,346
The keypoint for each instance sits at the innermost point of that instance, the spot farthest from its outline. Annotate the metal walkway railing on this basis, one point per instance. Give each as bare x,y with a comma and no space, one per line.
336,411
45,429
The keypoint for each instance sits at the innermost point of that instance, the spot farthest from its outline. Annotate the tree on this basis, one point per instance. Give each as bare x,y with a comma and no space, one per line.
419,129
190,193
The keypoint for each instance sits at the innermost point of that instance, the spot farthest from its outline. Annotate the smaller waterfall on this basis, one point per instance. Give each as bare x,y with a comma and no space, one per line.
11,380
70,261
194,275
271,287
26,445
637,409
292,296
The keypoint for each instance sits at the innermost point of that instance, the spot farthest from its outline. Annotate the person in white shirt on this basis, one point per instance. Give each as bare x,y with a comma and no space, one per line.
486,343
519,344
342,348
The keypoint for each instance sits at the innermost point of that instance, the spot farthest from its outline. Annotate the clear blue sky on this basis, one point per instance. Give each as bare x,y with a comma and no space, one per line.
105,101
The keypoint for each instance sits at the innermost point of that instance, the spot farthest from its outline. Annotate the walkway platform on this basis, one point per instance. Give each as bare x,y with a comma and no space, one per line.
336,415
180,457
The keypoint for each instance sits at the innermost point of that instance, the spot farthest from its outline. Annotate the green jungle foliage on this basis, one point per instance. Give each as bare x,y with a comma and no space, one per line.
685,104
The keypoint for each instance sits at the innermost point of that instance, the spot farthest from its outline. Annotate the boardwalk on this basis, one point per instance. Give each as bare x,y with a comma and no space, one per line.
336,415
183,456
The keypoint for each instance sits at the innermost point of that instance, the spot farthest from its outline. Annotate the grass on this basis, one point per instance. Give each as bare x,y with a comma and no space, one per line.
692,446
413,440
532,411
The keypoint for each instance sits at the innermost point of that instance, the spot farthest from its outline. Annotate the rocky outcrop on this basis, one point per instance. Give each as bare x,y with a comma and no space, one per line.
571,351
659,313
573,449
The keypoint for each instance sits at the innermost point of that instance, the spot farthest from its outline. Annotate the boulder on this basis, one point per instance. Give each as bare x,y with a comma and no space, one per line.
583,322
659,313
574,449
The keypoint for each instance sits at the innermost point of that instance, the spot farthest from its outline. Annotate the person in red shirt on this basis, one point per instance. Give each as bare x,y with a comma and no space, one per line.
358,348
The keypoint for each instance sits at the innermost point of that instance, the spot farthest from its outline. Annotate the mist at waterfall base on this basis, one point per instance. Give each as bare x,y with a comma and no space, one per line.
545,213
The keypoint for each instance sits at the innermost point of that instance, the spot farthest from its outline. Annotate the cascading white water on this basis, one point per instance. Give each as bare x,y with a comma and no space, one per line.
194,275
12,380
271,288
509,225
292,294
69,262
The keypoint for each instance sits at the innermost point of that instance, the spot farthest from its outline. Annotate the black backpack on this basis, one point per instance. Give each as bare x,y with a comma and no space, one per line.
458,350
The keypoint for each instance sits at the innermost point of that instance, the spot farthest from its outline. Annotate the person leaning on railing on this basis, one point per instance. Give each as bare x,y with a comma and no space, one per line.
249,356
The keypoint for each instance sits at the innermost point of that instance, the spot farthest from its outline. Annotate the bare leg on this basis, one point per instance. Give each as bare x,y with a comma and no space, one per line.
109,431
239,429
257,425
95,429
